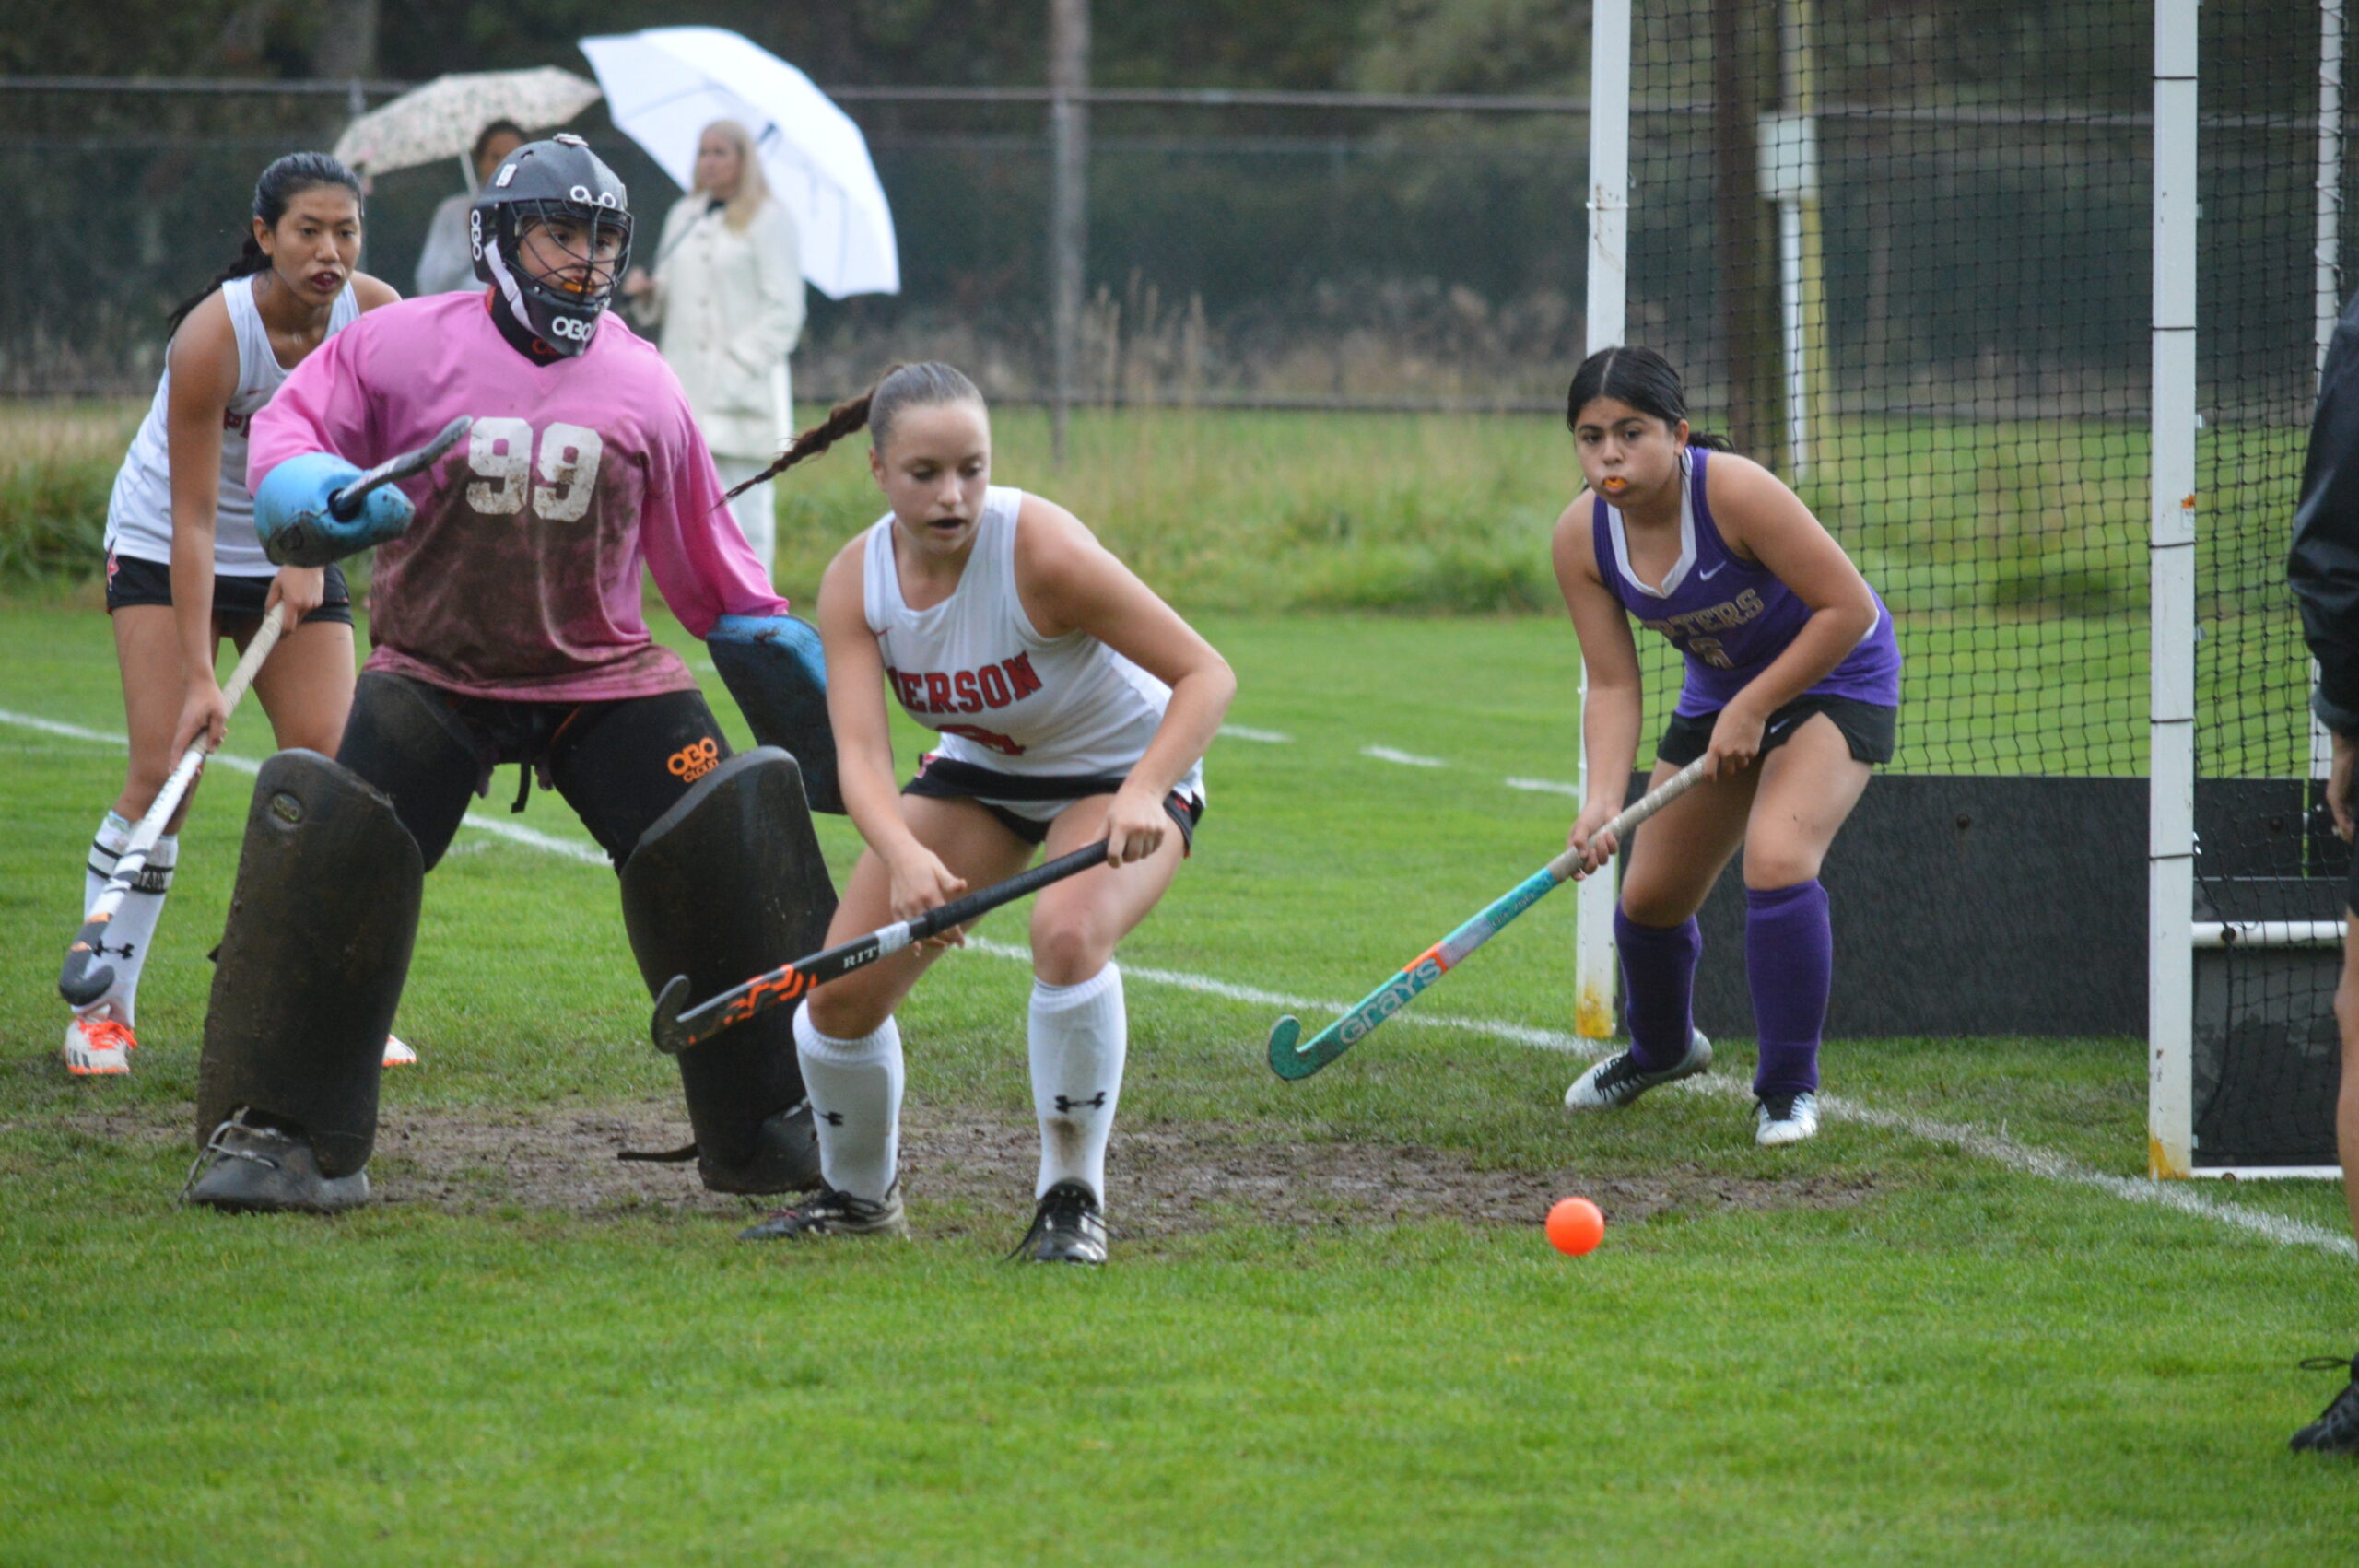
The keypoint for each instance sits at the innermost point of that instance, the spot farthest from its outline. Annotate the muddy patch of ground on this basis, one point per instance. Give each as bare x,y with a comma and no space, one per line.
965,1170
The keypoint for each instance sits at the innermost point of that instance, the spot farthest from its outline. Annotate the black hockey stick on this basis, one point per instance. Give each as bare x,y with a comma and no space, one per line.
346,503
677,1026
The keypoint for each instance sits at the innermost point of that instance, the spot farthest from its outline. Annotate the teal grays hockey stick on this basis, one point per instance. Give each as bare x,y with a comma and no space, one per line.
1293,1056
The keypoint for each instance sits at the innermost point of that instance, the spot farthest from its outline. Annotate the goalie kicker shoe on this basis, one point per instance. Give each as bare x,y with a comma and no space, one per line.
98,1046
832,1212
399,1055
1067,1227
2337,1429
1781,1120
251,1169
1618,1079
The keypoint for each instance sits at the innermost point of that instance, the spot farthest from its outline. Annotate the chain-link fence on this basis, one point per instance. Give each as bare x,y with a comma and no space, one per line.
1314,249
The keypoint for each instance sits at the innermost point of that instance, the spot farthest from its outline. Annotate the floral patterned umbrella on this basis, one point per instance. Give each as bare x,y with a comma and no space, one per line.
444,118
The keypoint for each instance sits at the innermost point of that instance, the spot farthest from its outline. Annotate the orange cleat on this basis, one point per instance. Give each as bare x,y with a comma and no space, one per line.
98,1046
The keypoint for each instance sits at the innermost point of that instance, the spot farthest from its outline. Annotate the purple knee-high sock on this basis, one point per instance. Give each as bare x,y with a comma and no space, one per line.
1789,965
1659,983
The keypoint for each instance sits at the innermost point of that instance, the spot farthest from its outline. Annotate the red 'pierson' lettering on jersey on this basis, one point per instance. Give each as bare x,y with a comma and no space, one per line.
966,691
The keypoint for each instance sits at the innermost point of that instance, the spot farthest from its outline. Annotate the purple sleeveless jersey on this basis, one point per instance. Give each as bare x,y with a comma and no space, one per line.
1731,619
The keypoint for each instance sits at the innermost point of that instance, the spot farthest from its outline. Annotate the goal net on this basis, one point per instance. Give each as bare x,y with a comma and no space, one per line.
1904,255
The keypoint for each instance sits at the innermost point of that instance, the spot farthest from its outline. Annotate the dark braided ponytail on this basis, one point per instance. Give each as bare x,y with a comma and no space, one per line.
280,184
924,385
1639,377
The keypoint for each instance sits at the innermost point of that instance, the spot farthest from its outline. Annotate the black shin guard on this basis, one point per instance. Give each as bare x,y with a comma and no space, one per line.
729,882
403,739
312,962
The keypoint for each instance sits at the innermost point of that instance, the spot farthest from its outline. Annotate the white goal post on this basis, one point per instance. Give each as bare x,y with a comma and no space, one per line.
2174,934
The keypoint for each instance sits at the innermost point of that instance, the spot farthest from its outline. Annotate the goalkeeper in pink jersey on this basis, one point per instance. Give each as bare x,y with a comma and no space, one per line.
505,626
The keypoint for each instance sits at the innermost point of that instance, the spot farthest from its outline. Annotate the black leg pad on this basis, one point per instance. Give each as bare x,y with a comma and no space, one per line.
729,882
312,965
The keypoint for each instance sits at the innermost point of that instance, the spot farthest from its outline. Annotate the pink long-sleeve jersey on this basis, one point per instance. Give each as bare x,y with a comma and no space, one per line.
521,577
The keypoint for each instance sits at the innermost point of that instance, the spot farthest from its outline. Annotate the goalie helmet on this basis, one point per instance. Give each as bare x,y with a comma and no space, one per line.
563,188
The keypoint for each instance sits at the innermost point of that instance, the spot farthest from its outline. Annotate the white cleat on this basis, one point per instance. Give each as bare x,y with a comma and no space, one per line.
1784,1118
1618,1079
98,1046
399,1055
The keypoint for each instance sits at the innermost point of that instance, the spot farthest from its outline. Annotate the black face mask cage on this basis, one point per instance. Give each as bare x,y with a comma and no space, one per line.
594,225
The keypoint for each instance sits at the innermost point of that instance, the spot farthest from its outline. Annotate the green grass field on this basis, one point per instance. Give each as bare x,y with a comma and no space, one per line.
1332,1333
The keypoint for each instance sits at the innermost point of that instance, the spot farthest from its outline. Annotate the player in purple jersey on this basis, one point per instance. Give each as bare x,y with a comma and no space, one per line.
1792,686
507,629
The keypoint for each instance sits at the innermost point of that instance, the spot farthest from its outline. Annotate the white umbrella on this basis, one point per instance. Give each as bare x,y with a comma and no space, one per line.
444,118
665,86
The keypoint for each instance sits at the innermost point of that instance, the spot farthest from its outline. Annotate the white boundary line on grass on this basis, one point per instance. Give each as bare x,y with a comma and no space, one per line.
1406,759
1997,1148
589,854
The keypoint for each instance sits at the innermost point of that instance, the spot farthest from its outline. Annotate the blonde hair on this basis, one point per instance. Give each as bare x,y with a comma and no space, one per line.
753,190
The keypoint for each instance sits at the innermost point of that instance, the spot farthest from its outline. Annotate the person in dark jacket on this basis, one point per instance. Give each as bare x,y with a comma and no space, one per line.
2325,573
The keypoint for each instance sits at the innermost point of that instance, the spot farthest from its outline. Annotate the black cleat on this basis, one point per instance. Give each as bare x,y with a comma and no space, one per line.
1067,1227
830,1212
786,1160
249,1169
2337,1429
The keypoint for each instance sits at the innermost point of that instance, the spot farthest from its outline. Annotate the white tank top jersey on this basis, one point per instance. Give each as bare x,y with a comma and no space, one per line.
1003,696
139,514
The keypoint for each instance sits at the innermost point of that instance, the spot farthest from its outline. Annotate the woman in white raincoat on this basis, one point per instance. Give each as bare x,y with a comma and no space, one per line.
726,302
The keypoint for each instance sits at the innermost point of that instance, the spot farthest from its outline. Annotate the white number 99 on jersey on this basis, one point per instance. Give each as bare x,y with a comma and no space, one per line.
501,453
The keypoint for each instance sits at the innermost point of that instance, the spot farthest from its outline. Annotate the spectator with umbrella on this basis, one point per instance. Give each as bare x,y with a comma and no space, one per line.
447,264
725,301
478,117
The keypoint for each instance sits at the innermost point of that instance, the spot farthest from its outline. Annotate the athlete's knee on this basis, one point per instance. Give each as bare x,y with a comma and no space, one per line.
2346,1011
1774,860
1662,906
139,791
847,1013
1069,945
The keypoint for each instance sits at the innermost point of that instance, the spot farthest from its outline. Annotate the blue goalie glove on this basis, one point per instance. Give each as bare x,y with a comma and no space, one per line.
772,665
296,519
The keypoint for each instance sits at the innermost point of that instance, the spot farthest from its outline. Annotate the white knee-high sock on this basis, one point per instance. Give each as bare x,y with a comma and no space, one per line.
855,1088
133,930
1080,1035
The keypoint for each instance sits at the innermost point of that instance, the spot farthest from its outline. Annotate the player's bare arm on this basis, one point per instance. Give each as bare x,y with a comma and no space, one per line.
1070,583
204,363
864,743
371,292
1763,520
1610,724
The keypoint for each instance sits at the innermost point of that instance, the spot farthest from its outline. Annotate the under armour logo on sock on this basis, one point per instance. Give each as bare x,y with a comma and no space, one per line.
1097,1101
833,1118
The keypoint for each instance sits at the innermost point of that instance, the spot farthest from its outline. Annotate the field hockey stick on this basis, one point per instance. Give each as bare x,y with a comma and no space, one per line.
346,503
678,1027
1293,1056
85,979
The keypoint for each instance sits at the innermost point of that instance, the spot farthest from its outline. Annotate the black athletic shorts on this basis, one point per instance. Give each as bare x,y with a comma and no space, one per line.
131,581
942,778
1870,729
619,764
